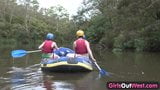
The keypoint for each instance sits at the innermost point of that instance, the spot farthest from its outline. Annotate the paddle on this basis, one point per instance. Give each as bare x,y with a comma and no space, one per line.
21,53
101,71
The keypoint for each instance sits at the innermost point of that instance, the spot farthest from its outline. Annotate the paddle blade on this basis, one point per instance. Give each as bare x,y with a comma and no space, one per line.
103,72
18,53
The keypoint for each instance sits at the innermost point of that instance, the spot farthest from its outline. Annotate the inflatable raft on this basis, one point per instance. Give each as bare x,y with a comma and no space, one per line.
66,64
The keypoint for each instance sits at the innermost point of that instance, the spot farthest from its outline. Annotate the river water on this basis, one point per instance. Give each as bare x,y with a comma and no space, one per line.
25,73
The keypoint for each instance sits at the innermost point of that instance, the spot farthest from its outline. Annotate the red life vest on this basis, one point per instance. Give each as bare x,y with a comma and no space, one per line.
47,47
80,46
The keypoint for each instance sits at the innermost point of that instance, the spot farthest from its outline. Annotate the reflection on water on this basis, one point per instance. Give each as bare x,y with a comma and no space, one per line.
24,78
17,76
50,84
32,79
25,73
132,66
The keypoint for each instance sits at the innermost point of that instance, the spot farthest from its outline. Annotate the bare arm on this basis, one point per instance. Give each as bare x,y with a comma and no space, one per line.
74,45
54,45
40,47
90,51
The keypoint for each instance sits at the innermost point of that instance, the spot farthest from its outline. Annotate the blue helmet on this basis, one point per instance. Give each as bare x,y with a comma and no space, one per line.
50,36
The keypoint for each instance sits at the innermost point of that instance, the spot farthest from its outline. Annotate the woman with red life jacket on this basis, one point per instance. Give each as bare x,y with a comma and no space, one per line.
82,46
48,47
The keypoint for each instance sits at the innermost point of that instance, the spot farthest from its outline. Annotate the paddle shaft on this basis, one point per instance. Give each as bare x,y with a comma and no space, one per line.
97,66
33,51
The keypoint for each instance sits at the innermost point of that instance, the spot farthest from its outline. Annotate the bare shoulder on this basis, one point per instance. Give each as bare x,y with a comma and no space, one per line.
74,42
86,42
53,43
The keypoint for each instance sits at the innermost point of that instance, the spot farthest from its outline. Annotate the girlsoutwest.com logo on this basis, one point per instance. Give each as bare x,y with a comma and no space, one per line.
133,85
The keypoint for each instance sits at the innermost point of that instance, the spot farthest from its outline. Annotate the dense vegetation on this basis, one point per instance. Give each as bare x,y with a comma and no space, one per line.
22,21
124,24
115,24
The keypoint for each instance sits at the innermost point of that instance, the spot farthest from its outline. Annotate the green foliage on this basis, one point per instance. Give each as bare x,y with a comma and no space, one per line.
123,24
25,24
96,28
140,44
119,41
115,24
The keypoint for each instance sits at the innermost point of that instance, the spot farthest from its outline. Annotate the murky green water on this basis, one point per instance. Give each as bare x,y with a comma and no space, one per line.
25,73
